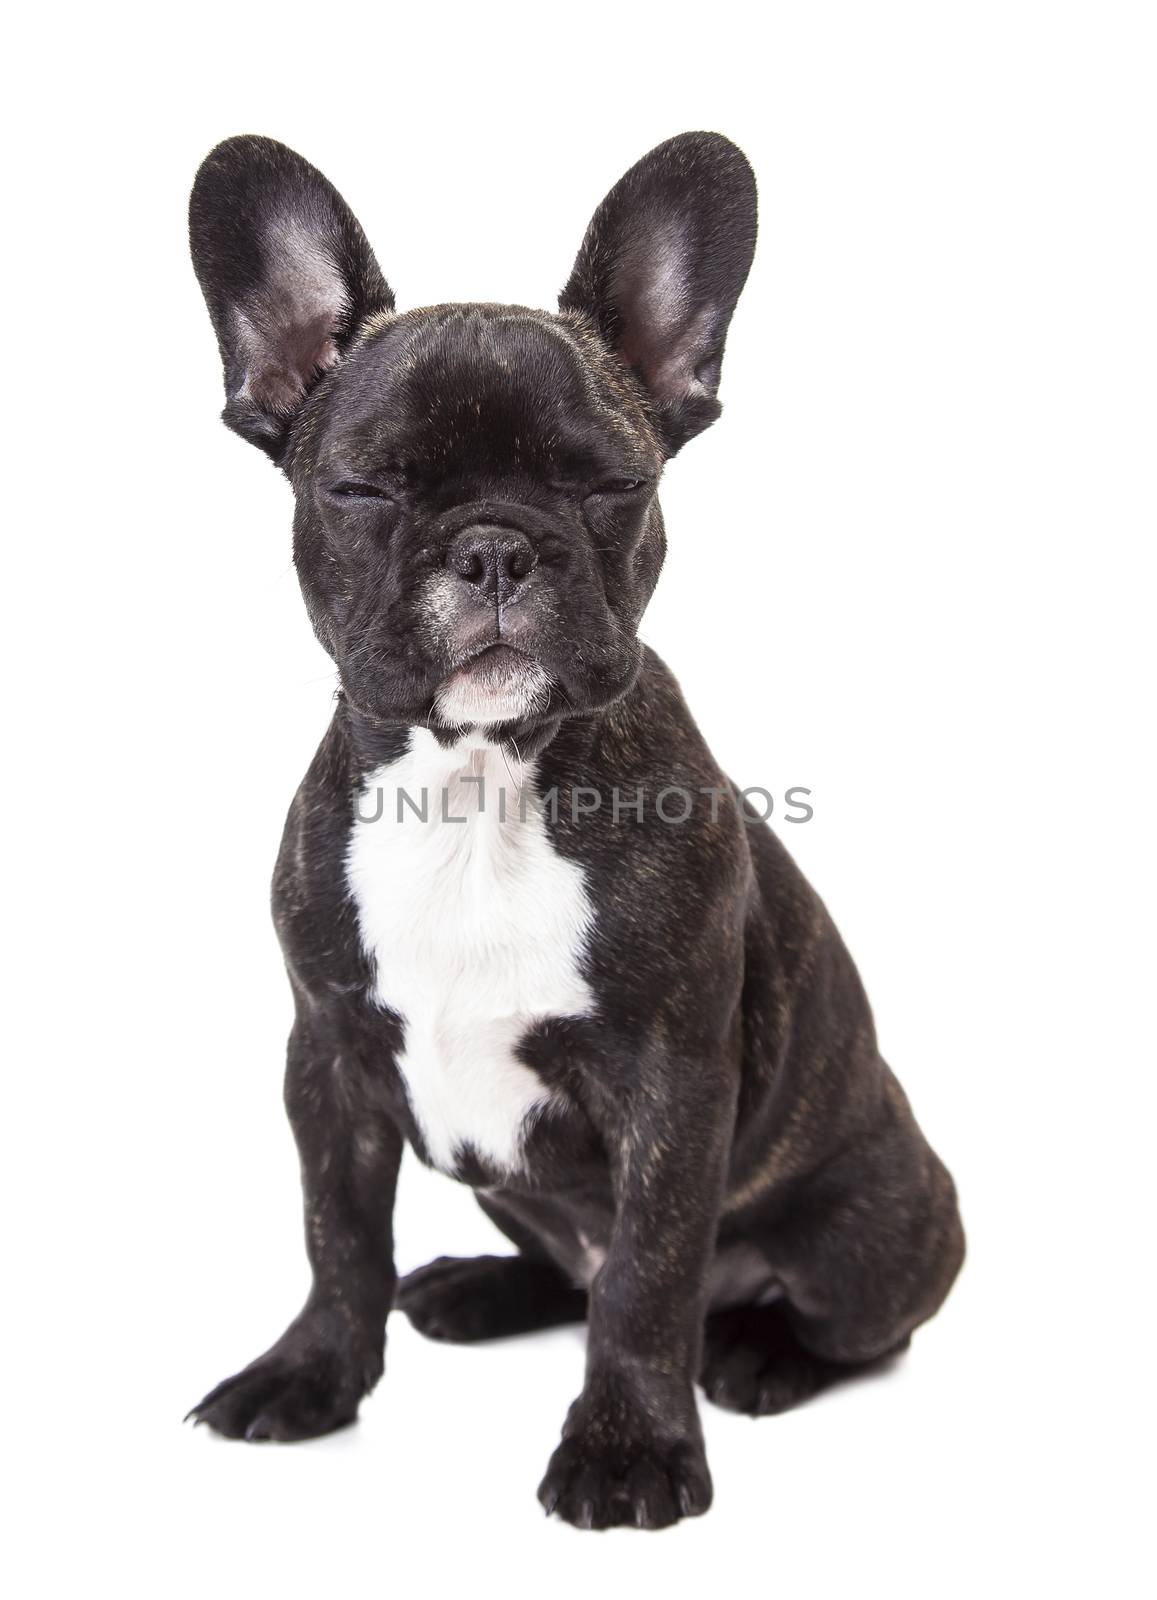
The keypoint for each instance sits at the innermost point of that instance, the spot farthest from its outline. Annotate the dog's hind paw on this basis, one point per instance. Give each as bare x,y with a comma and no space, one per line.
462,1299
753,1362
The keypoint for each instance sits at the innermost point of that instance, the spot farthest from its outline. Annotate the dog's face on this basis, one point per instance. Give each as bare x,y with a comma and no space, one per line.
477,532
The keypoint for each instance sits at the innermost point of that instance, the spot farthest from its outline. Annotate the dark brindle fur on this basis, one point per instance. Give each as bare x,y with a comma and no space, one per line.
723,1129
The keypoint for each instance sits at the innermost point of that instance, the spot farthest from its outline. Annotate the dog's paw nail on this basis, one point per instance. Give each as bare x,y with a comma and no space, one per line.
694,1497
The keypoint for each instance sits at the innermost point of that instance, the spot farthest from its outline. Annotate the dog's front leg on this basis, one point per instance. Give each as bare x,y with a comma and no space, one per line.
312,1380
632,1446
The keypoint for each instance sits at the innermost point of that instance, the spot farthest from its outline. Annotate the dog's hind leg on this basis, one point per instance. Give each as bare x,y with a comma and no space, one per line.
753,1361
864,1252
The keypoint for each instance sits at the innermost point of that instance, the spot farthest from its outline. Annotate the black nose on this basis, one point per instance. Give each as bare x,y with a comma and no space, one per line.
494,560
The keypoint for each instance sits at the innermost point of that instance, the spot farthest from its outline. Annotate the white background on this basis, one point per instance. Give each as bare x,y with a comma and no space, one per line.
910,569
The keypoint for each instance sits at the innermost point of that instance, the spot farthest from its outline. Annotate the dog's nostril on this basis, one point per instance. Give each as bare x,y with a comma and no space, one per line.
469,564
520,562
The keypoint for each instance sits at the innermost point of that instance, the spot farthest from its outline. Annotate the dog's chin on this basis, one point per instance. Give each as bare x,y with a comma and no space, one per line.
499,685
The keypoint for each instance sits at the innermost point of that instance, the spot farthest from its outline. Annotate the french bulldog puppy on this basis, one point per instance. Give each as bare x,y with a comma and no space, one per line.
531,929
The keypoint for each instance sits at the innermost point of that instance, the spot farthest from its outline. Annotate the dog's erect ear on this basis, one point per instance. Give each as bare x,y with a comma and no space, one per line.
287,275
661,268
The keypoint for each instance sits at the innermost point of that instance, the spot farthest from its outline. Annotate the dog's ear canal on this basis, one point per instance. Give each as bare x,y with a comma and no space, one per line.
287,275
661,268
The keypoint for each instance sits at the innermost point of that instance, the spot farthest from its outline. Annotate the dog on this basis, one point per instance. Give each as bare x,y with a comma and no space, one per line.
630,1026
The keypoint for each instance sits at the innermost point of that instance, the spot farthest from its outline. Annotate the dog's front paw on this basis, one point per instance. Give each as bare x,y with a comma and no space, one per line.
275,1400
613,1469
306,1385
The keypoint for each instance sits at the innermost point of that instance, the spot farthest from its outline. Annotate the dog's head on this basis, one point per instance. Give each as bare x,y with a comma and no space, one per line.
477,532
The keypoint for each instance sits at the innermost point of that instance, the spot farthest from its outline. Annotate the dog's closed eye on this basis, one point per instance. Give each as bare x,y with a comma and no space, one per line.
350,489
619,486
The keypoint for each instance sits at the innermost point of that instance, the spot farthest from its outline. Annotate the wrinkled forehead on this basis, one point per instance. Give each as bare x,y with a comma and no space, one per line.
462,388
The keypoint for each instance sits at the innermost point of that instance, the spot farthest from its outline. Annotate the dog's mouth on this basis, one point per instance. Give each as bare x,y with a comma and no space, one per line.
497,684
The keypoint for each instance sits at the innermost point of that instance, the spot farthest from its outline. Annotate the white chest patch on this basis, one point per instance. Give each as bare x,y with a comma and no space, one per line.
476,927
